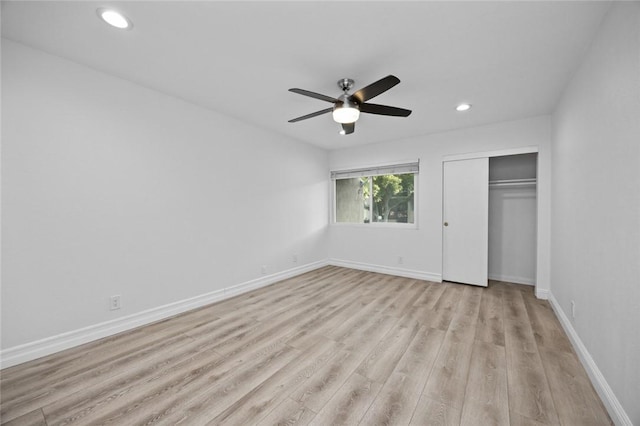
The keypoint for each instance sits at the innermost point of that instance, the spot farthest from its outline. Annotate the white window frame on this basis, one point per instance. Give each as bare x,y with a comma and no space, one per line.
371,171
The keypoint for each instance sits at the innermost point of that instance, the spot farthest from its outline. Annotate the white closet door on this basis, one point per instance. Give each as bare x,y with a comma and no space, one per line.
465,233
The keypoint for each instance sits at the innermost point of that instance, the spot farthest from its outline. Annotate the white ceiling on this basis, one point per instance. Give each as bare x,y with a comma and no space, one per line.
509,59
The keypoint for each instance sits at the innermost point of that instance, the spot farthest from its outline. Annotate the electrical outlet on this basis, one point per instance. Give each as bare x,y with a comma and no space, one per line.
264,269
114,302
400,260
294,258
573,309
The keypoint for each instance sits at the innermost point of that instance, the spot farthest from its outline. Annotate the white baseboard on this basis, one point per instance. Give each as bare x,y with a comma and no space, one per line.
542,293
389,270
273,278
617,413
512,279
47,346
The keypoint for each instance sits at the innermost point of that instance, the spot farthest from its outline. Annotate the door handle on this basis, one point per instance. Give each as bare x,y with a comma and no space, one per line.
446,224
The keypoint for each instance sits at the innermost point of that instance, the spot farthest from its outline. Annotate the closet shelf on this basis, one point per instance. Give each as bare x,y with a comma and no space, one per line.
513,182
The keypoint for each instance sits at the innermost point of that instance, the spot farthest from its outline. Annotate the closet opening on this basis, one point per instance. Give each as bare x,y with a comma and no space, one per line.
512,253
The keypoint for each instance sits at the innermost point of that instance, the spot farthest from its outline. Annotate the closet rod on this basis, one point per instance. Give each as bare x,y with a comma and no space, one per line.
513,182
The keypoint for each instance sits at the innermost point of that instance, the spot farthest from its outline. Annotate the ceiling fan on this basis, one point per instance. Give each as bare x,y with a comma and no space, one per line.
347,108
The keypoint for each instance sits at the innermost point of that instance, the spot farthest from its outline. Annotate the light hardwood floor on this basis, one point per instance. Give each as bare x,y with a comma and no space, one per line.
333,346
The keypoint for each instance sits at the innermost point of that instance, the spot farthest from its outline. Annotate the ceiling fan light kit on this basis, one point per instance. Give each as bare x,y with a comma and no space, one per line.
347,108
347,112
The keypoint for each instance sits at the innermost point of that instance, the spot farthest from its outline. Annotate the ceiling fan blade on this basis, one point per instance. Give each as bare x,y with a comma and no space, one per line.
314,95
374,89
348,128
313,114
384,110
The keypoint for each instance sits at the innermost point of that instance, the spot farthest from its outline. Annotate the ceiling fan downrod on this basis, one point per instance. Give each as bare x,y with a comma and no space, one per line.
345,84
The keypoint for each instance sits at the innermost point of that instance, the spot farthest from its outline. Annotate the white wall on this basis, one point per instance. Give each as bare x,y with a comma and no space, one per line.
596,203
421,248
110,188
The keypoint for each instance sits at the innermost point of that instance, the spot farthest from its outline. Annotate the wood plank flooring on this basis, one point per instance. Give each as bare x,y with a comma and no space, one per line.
333,346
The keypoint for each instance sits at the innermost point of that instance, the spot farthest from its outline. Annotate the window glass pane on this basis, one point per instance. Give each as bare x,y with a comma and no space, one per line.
352,200
393,198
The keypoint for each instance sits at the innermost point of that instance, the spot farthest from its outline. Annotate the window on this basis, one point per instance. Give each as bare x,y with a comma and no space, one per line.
381,194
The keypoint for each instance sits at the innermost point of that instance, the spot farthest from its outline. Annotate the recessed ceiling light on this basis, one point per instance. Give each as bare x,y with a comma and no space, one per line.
463,107
115,19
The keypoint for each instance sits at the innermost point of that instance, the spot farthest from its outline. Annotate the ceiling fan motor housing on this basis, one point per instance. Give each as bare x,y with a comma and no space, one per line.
346,110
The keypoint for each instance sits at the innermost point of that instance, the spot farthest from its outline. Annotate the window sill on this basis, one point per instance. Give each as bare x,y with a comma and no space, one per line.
377,225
